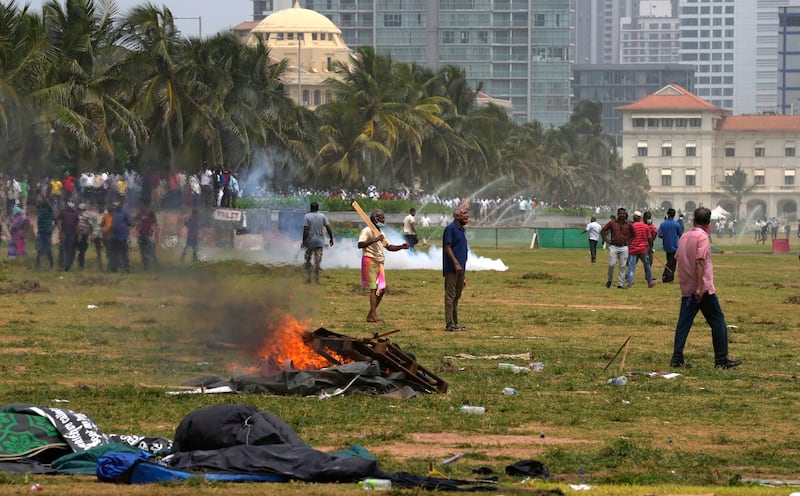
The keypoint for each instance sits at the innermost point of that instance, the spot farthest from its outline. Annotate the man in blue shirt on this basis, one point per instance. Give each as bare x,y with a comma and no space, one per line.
454,241
669,231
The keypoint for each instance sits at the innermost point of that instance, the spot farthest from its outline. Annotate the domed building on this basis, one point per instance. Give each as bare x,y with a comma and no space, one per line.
309,41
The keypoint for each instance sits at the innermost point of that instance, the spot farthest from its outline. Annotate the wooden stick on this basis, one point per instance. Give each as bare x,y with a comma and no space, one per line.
624,355
375,231
617,353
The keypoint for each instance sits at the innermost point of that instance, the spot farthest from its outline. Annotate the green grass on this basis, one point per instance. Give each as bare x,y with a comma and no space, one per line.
707,431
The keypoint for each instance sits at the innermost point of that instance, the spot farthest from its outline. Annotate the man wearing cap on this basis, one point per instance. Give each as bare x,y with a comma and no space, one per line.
617,235
639,249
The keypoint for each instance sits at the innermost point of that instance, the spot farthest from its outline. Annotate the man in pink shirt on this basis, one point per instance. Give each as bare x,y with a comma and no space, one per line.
696,277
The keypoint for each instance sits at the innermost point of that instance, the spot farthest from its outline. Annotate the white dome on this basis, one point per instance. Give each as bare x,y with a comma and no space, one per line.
296,20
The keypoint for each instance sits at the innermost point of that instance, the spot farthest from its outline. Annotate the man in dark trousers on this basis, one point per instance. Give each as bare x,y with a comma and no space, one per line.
67,222
314,226
696,277
454,263
670,231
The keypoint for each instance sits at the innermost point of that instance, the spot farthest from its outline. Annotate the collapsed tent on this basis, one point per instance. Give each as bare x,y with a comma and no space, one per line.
228,442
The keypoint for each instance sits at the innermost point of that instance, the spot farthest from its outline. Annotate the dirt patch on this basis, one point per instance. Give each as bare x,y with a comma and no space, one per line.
444,444
23,286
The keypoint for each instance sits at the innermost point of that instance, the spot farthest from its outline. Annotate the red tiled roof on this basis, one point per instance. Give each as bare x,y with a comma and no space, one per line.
245,26
760,123
671,97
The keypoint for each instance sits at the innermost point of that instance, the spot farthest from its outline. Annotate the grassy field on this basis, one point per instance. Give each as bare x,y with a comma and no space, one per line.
706,432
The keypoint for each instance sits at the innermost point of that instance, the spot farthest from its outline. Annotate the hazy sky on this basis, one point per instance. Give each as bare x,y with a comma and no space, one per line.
215,15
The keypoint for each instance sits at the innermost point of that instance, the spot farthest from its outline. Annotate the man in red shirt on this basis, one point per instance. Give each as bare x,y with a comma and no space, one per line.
639,249
696,277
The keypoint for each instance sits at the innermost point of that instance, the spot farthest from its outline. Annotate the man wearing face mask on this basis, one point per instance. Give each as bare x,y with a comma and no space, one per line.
696,277
372,274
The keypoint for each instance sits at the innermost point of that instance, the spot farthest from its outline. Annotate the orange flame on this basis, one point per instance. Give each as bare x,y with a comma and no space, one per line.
290,340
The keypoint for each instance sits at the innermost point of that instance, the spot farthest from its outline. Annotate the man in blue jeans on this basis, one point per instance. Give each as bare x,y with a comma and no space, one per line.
696,278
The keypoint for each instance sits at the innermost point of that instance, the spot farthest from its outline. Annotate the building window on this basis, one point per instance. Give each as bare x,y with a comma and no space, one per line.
680,122
329,64
641,149
464,36
788,177
666,123
305,97
666,149
666,177
730,151
317,97
638,122
695,122
652,123
789,151
759,151
448,37
690,177
758,176
483,36
728,175
691,150
391,20
538,20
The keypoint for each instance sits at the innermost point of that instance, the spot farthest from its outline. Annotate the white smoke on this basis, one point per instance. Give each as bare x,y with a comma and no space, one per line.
345,254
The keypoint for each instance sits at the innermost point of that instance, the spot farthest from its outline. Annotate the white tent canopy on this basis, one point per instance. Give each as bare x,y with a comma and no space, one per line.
719,213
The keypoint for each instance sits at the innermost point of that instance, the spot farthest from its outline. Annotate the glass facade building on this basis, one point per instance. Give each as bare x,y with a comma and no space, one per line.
789,61
519,50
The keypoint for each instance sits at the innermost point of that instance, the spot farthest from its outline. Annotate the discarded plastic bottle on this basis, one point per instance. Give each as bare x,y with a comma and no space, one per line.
513,368
375,484
536,366
478,410
618,381
509,391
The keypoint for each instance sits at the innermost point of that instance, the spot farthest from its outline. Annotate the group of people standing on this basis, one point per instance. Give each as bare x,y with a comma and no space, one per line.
687,253
372,241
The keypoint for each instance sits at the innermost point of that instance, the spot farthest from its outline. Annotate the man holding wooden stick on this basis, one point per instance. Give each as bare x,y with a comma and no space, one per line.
372,241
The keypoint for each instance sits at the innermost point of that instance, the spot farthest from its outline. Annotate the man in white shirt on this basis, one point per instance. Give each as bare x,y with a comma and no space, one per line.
593,228
410,230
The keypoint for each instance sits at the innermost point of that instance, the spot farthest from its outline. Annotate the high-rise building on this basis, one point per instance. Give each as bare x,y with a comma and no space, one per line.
615,85
734,45
789,61
517,50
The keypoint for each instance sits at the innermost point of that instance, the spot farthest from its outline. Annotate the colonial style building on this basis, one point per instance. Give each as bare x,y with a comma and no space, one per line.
309,41
689,146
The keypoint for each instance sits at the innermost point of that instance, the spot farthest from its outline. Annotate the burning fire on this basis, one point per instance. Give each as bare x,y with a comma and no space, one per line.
290,341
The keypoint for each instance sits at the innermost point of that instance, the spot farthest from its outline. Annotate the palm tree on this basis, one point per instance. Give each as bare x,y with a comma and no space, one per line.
736,186
85,95
24,60
161,97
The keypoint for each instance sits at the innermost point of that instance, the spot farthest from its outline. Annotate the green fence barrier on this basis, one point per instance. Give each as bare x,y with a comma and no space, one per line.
522,237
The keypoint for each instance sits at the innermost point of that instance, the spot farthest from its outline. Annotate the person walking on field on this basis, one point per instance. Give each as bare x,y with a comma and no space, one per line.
593,228
696,278
617,235
410,229
639,250
314,225
670,231
192,224
454,241
372,259
45,222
